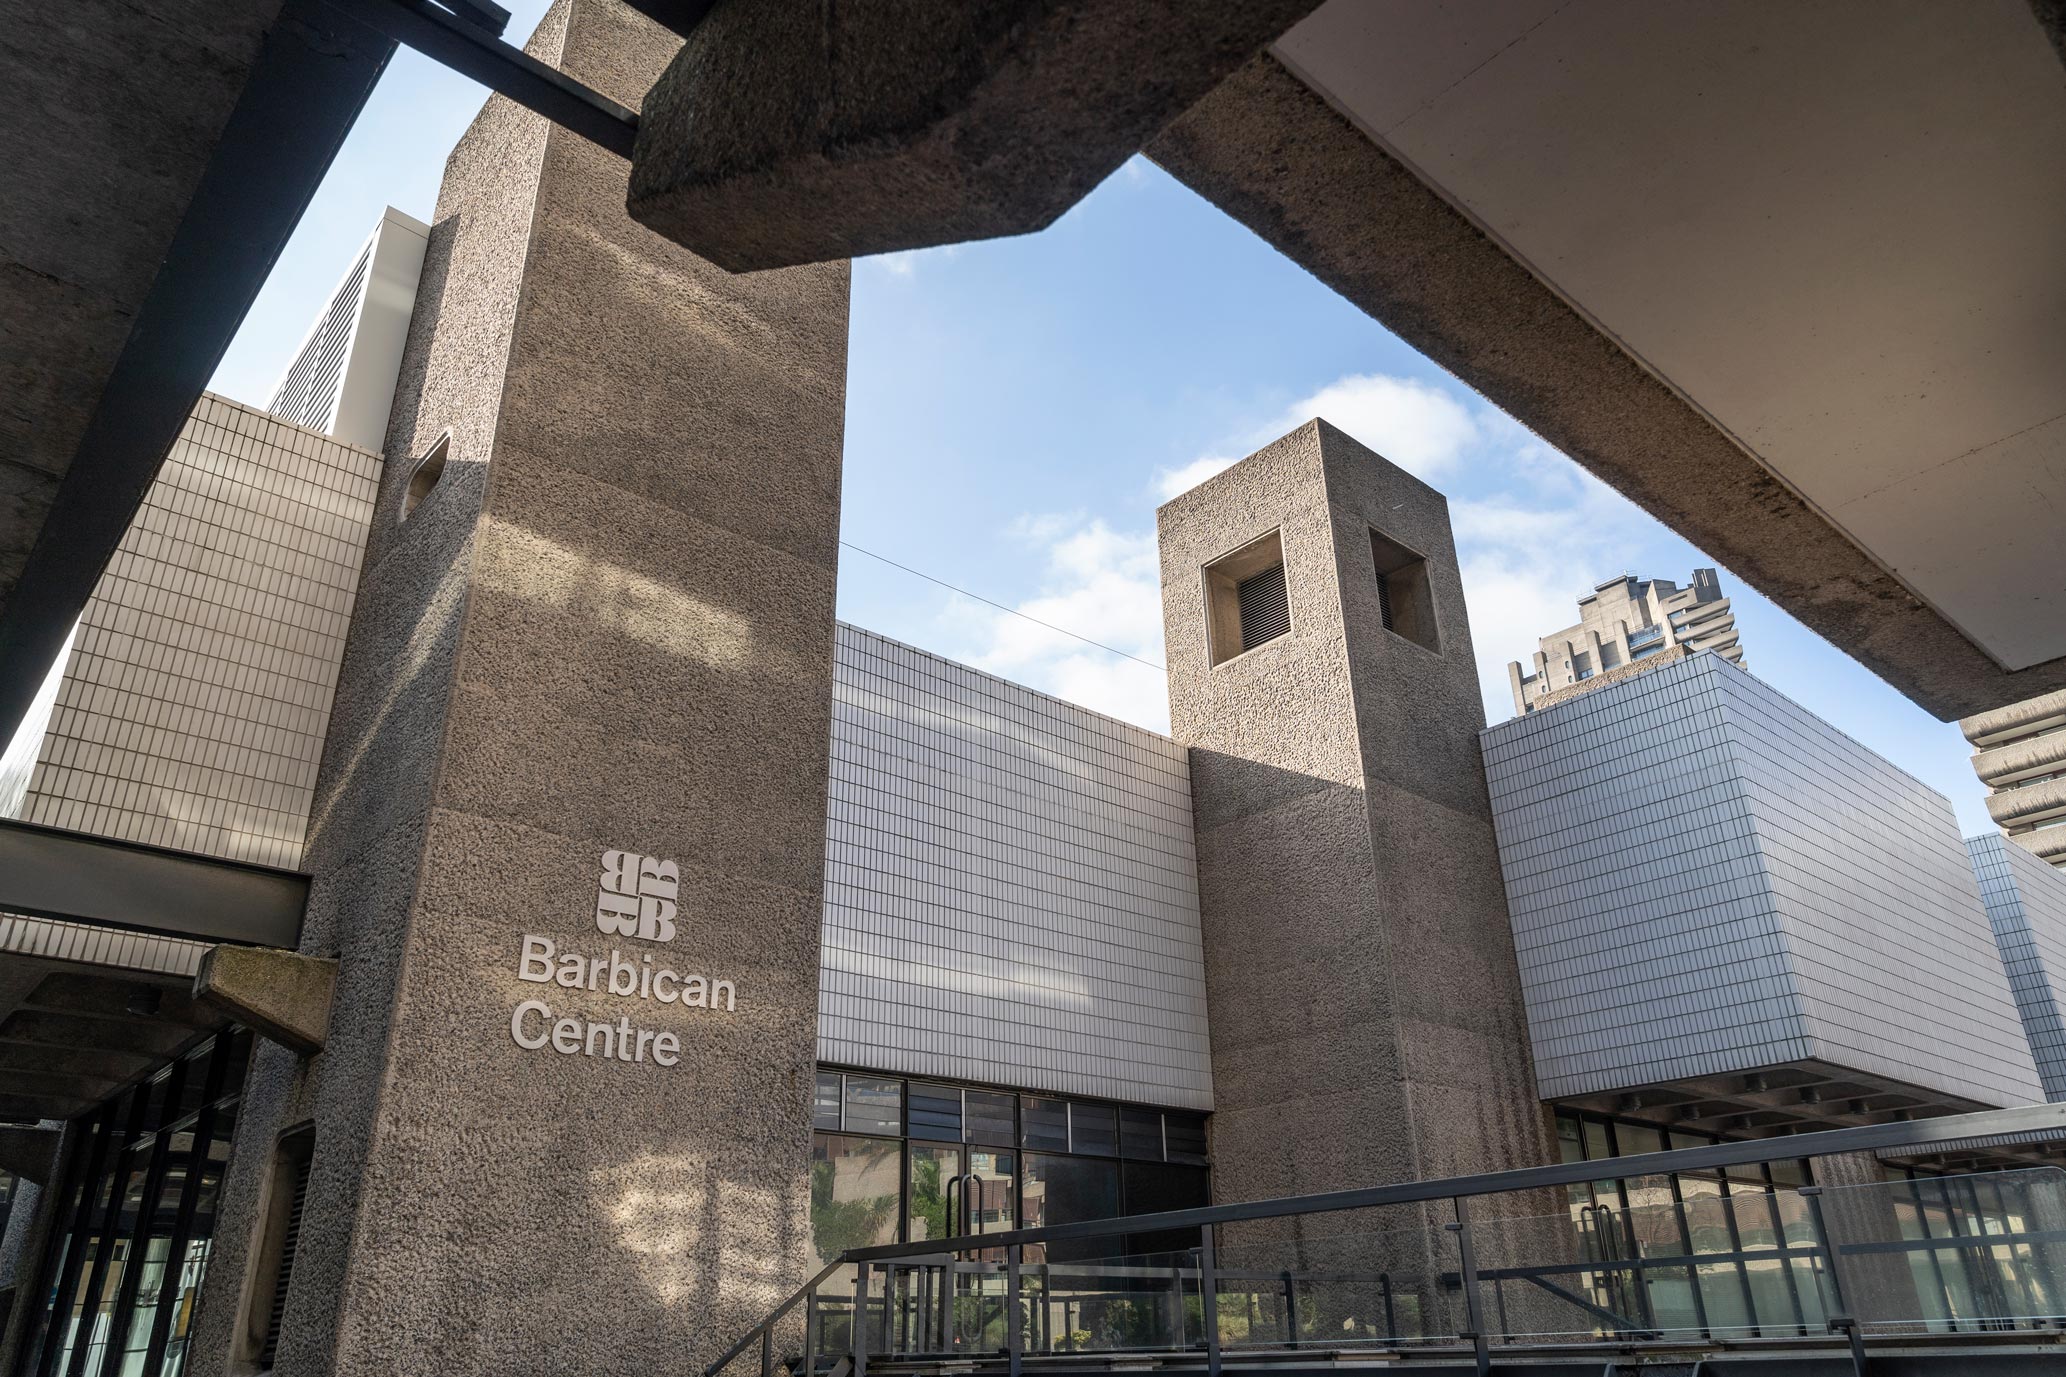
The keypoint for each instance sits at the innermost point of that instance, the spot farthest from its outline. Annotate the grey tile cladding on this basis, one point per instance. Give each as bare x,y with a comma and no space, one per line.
2026,903
1010,887
198,689
1704,877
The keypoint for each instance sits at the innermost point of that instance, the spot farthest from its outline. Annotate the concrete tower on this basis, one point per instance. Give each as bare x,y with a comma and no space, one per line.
1367,1023
585,703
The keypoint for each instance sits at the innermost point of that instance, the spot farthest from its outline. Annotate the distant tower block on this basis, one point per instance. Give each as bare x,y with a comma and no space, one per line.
342,379
1625,626
1367,1023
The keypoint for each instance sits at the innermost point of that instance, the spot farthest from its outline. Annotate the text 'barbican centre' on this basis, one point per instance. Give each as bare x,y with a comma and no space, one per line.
475,909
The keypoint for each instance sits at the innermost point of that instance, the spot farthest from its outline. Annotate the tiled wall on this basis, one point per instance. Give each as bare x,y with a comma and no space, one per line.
198,687
1011,892
1703,877
2026,902
1891,946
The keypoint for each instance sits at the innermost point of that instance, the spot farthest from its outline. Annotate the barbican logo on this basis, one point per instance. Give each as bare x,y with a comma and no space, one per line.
638,895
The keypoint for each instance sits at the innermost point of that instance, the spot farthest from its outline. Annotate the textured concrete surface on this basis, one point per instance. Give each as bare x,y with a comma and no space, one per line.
281,994
609,625
108,115
1358,962
786,134
1276,156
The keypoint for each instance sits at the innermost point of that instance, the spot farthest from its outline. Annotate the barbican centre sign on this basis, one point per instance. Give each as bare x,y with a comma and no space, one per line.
637,900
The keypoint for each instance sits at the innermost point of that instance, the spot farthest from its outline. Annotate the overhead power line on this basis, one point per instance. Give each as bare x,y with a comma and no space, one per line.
1060,630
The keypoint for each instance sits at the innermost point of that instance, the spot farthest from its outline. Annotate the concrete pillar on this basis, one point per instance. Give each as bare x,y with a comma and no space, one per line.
1863,1202
600,622
1367,1023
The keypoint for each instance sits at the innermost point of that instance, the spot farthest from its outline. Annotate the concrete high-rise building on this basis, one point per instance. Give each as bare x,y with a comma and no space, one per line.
2019,752
342,380
1624,626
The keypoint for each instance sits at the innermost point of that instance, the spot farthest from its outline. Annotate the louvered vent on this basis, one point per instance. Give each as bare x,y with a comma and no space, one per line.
1265,613
1384,602
308,393
290,1241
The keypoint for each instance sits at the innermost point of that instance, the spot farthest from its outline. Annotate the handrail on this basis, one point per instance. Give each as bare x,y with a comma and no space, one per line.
1915,1133
773,1315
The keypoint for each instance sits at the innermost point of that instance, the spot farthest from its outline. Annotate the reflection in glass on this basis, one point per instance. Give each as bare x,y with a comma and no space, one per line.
933,1168
127,1261
853,1193
874,1105
1062,1190
993,1204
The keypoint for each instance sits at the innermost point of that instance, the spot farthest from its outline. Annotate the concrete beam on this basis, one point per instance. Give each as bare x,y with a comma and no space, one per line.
278,994
30,1153
785,134
1271,152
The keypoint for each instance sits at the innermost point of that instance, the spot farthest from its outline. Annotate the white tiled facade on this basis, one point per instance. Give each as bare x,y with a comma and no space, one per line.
1703,877
2026,902
1010,888
198,686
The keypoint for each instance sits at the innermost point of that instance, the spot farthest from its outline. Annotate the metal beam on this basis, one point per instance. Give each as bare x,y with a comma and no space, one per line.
466,48
48,873
301,98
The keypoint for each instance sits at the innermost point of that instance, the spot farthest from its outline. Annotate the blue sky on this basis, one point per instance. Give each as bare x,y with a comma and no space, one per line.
1016,410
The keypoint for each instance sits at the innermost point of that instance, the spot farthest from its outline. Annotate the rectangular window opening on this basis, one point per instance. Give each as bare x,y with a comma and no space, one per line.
1405,600
1247,602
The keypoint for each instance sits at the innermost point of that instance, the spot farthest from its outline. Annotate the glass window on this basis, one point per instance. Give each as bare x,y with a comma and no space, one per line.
1062,1190
995,1201
122,1268
853,1193
1140,1134
825,1102
935,1112
1150,1188
1045,1123
874,1106
933,1177
1094,1129
1185,1134
990,1116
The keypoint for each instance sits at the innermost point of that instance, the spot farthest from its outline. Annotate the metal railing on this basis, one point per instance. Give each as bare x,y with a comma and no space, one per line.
1552,1278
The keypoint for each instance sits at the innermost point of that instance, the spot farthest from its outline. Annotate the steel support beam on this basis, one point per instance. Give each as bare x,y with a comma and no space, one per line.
468,49
48,873
303,94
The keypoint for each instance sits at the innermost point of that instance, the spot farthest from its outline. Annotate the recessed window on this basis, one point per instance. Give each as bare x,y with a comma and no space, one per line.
286,1199
1405,602
429,469
1246,601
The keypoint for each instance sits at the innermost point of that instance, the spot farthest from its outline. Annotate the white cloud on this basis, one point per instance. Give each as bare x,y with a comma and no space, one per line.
1098,583
1170,482
1422,428
901,264
1542,532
